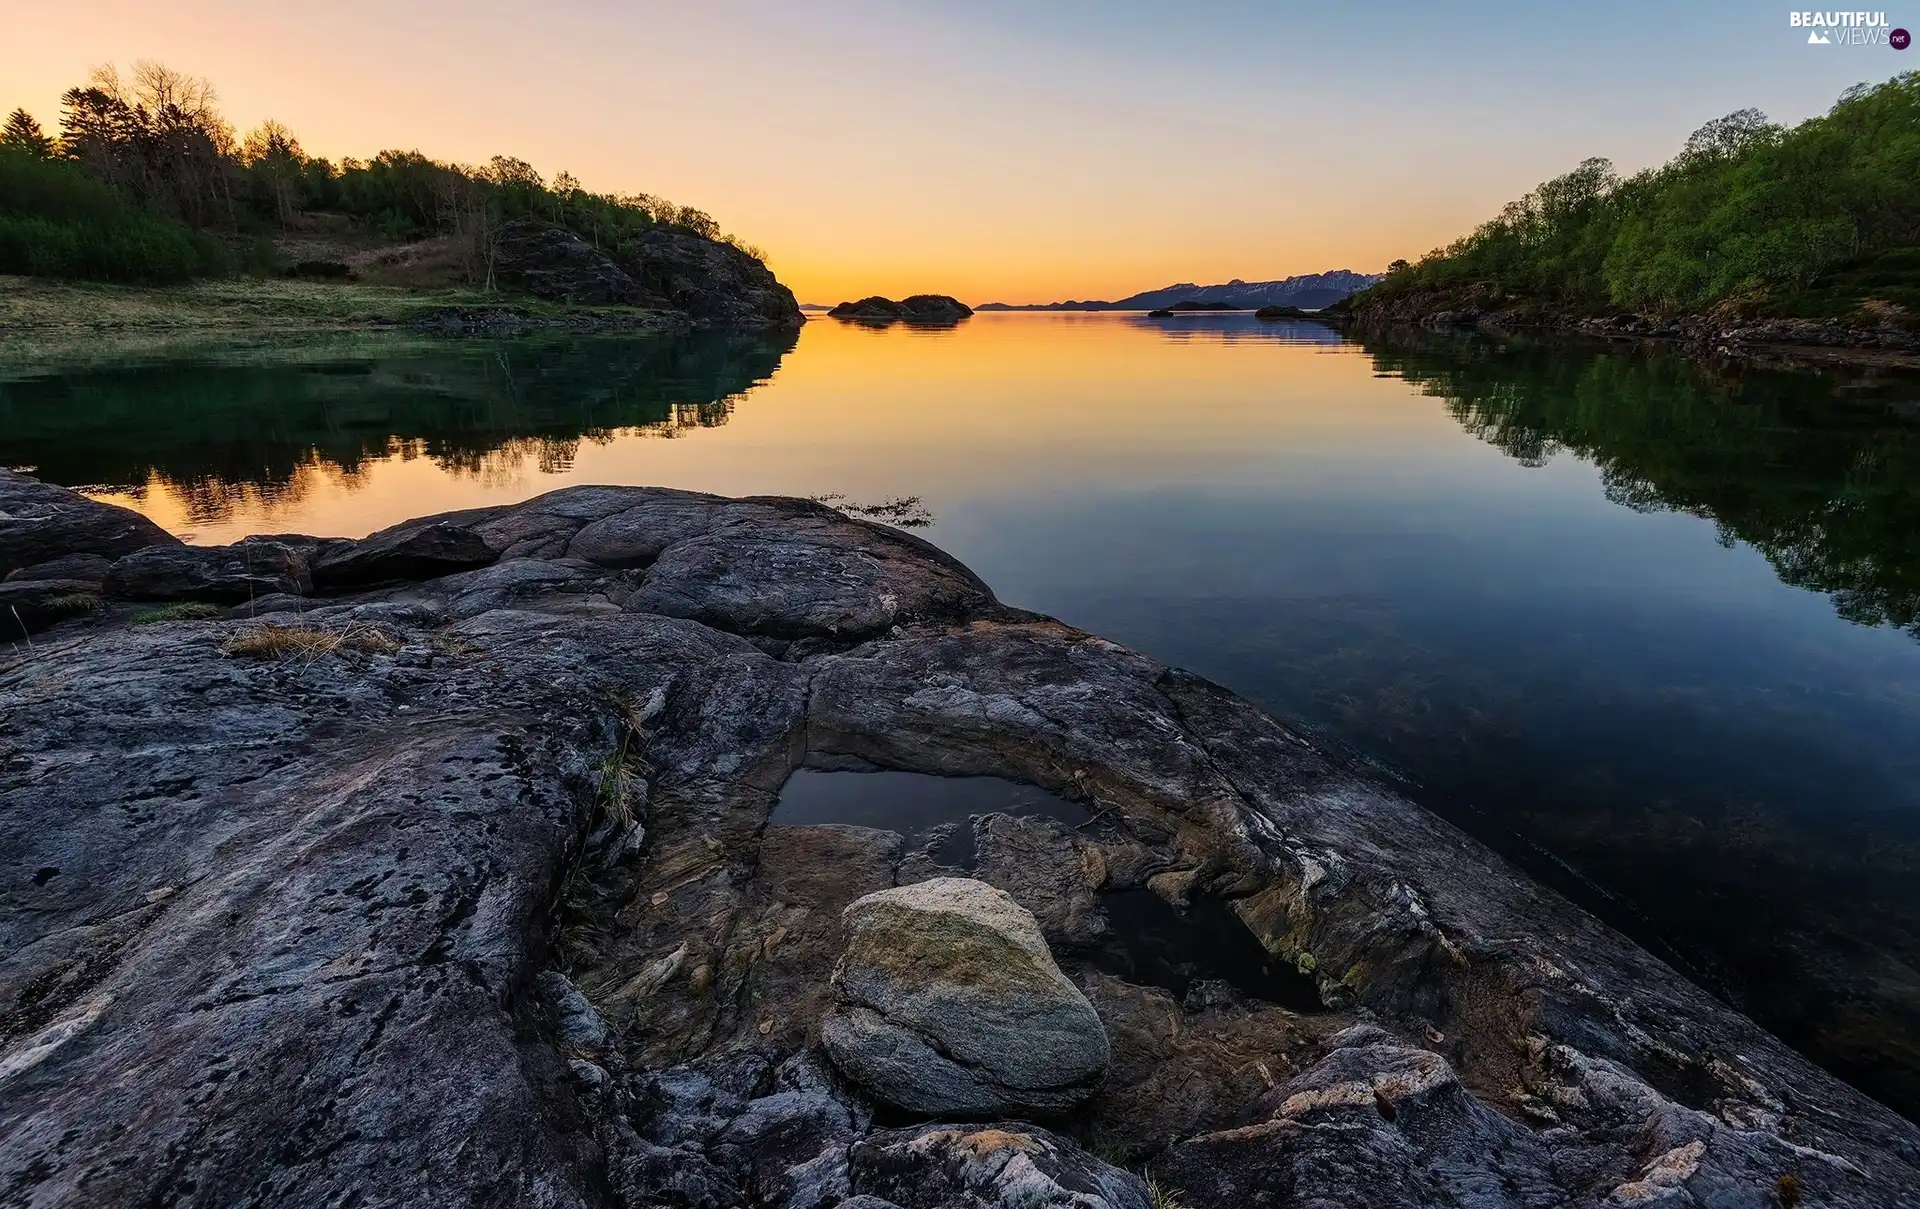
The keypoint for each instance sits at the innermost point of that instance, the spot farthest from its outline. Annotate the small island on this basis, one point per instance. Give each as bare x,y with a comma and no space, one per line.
1280,312
1190,305
933,310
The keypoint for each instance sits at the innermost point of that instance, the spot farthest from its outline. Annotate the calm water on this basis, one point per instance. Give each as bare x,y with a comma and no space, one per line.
1650,629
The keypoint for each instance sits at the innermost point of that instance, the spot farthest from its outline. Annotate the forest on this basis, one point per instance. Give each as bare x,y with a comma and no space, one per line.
144,181
1807,219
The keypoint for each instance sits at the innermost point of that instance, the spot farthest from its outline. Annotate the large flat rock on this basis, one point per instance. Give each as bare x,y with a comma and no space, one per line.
460,889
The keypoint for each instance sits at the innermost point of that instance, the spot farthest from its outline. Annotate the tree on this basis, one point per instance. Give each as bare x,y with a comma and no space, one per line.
275,158
158,135
22,133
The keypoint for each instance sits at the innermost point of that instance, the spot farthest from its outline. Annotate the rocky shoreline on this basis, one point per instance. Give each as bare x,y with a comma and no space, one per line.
1892,341
445,866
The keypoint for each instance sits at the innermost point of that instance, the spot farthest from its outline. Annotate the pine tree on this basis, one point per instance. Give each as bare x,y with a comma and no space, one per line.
22,133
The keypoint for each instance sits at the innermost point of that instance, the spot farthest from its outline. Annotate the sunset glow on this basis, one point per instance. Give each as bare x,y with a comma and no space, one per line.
992,151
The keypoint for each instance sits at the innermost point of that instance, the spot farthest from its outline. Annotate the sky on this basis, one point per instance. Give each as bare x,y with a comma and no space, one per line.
1012,150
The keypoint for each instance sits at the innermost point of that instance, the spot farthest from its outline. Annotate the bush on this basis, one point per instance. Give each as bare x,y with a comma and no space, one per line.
55,221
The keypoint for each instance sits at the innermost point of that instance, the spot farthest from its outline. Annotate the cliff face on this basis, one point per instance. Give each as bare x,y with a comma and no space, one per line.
443,870
704,279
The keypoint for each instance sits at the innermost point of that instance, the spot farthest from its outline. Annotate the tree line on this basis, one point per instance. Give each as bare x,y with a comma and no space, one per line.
146,181
1749,211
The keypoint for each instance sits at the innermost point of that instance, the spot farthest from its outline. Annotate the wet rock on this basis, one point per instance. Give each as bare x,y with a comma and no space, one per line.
39,523
989,1167
948,1001
411,550
222,574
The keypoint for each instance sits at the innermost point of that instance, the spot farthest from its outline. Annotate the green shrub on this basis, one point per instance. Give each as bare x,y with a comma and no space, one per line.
55,221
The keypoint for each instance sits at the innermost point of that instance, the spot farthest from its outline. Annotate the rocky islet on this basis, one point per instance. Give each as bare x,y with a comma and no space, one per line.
472,895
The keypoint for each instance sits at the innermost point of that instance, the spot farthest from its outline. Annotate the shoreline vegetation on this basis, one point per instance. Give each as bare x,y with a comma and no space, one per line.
147,211
1756,236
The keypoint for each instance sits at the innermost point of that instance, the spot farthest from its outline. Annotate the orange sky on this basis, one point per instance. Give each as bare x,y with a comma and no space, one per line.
994,150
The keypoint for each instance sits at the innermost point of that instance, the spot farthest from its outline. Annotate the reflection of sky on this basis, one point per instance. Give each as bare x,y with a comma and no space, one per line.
1004,150
1169,482
1728,758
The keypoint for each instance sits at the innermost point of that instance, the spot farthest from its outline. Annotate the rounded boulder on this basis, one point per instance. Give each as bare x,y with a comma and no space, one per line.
948,1002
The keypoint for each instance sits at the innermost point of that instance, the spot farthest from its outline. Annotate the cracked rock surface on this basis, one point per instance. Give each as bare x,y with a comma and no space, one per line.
444,873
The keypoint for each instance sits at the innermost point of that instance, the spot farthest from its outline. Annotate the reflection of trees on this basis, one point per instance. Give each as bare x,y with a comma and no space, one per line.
224,436
1812,470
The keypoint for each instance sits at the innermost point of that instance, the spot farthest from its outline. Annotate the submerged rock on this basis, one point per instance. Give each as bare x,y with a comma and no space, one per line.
286,916
949,1002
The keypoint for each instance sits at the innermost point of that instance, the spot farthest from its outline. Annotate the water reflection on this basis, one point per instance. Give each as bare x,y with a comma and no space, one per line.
1228,328
1818,472
239,431
1579,599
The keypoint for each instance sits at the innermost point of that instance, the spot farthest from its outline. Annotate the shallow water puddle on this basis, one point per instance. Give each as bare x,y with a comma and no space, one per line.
1152,944
916,805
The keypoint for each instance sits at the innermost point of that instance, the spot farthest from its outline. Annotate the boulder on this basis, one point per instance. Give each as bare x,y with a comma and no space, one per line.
81,568
949,1002
412,550
40,522
227,574
710,280
554,263
816,578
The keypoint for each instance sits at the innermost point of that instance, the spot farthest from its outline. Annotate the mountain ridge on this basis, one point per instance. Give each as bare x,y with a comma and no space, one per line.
1308,291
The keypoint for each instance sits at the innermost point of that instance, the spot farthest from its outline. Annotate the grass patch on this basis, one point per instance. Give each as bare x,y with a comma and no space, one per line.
186,610
308,642
73,602
614,795
1873,289
45,308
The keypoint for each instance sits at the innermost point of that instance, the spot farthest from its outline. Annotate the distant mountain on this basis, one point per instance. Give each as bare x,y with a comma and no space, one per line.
1310,291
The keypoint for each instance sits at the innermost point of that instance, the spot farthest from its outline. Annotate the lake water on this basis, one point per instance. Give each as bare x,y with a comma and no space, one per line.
1649,628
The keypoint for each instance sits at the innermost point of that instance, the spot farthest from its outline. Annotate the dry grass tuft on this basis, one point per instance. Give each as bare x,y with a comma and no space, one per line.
614,795
186,610
1163,1198
73,602
308,642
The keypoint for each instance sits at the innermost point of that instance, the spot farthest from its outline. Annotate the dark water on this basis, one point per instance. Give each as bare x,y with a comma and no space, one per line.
1649,628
